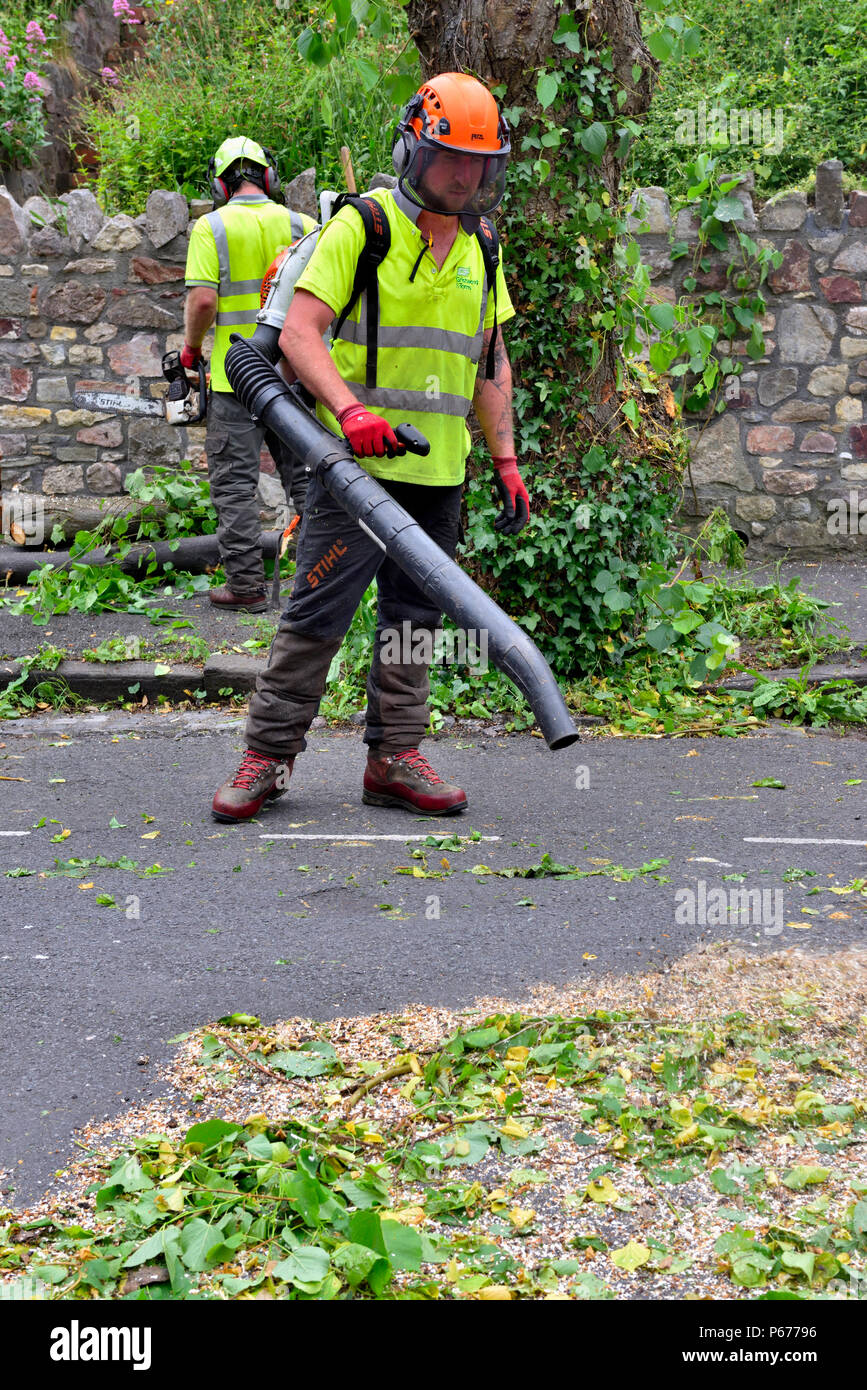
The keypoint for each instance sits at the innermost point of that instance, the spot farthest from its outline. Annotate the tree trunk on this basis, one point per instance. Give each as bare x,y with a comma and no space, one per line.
506,42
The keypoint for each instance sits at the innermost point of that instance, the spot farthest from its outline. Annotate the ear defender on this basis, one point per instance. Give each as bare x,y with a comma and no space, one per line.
272,184
401,151
217,186
405,138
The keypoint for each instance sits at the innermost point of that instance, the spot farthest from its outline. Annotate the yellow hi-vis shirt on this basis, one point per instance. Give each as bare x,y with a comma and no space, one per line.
230,250
430,335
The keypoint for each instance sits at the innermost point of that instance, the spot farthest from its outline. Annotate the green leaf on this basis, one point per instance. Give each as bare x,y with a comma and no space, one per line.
770,782
662,315
720,1180
48,1274
617,600
630,1256
800,1261
368,73
661,356
358,1263
299,1063
805,1175
312,48
729,209
128,1175
211,1132
306,1268
196,1239
750,1268
661,44
547,85
660,637
594,139
403,1245
482,1037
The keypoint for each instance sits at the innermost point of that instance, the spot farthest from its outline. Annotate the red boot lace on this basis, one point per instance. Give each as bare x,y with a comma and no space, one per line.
252,766
414,759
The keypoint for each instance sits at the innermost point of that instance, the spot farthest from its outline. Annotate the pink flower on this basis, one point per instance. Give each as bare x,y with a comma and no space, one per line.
110,76
7,125
122,10
52,16
34,31
33,82
10,63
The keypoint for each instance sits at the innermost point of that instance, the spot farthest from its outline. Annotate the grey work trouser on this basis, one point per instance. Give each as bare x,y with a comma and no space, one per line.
335,563
232,449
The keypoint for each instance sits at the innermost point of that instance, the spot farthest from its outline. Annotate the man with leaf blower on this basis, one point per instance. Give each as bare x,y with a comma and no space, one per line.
408,342
230,250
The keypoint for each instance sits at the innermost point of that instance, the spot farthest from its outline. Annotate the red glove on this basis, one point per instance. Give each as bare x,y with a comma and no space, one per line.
515,498
368,434
190,356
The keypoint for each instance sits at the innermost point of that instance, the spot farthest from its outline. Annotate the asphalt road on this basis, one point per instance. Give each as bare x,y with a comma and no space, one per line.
325,926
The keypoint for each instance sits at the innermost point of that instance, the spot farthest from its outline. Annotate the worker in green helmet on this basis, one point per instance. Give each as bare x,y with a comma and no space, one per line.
230,250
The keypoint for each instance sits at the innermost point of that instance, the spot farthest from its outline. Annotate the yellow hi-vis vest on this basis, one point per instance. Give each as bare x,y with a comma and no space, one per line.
230,250
431,325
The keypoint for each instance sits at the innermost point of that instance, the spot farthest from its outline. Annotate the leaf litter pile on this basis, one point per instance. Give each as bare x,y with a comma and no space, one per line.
693,1135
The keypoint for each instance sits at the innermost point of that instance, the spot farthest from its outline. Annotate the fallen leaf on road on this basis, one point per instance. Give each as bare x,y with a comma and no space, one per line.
521,1217
630,1256
603,1191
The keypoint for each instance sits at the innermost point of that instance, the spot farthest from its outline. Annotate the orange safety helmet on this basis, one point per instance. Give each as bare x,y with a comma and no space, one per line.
452,112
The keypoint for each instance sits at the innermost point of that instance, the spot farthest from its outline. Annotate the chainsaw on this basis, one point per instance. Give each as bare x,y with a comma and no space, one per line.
185,402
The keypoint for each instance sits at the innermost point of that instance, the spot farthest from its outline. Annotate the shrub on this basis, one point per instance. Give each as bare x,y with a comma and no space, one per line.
25,45
160,126
809,60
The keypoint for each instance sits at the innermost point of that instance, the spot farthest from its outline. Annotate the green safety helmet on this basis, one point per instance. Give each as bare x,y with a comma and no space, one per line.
251,158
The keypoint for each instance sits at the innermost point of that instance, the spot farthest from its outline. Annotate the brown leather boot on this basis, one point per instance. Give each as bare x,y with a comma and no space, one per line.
258,779
224,597
407,779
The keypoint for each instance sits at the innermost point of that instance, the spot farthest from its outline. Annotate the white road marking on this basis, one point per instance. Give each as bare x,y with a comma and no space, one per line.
14,832
362,838
769,840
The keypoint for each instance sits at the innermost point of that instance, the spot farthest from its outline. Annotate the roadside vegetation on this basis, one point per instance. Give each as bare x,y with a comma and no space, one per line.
696,1136
805,60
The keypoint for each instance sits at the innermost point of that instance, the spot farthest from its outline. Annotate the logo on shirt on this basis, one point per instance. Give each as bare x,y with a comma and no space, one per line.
464,278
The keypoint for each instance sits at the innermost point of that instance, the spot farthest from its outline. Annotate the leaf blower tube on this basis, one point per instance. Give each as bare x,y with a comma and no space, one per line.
266,396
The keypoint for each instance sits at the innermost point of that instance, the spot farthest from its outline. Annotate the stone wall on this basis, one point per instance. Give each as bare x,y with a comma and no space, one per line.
95,302
787,456
92,304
